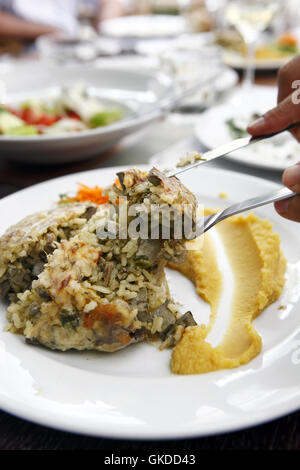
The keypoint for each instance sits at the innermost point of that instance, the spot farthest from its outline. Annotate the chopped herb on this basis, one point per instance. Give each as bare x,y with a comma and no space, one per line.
143,261
72,320
236,131
239,131
63,196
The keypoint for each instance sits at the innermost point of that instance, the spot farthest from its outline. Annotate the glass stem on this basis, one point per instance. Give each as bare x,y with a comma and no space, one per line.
249,75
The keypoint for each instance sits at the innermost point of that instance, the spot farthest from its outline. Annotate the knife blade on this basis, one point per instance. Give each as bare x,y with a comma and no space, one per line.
229,147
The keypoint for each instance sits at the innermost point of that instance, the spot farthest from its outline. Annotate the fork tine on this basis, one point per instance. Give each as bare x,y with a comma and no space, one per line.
205,223
210,221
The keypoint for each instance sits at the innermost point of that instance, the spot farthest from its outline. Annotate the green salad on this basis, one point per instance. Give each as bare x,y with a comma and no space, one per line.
72,111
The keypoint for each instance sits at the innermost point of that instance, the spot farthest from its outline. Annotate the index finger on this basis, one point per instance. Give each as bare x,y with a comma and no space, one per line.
286,113
286,76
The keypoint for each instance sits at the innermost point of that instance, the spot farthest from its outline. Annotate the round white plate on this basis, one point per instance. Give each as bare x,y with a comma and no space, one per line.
131,394
144,26
225,82
129,62
276,153
186,41
237,61
227,79
233,59
135,91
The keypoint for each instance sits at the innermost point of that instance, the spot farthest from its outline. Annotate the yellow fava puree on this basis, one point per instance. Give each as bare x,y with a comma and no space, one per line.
258,267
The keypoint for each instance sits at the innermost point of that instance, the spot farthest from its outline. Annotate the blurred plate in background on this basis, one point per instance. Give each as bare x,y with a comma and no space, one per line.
270,55
239,62
144,26
187,41
226,80
138,93
223,123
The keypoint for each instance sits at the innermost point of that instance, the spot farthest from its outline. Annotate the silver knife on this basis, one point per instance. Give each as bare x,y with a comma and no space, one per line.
228,148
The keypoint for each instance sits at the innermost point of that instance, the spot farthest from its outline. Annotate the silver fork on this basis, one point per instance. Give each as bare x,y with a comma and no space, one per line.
209,221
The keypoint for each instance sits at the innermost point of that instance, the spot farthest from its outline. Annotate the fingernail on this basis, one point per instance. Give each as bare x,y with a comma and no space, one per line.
257,123
283,206
291,177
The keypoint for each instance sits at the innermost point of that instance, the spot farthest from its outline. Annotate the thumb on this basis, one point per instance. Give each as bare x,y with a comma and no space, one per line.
285,113
291,178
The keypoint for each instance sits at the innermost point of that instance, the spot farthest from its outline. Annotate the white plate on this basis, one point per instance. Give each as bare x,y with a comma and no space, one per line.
205,97
135,91
131,393
275,154
233,59
227,79
144,26
129,62
186,41
237,61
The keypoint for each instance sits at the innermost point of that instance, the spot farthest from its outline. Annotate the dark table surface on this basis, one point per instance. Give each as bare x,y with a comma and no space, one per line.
18,434
282,434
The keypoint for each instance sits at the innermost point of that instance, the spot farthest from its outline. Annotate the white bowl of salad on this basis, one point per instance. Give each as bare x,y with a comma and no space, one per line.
73,110
61,114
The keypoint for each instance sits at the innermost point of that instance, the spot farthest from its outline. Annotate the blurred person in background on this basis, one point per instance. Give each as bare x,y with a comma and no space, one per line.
27,20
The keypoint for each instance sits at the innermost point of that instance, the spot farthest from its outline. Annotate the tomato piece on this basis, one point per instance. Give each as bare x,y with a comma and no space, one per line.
34,116
288,39
31,116
73,115
48,120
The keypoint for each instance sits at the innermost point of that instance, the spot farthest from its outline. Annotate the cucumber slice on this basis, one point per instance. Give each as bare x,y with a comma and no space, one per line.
22,130
104,118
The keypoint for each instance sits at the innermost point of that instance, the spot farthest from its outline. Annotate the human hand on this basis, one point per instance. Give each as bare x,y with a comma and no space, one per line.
290,208
287,110
285,113
109,9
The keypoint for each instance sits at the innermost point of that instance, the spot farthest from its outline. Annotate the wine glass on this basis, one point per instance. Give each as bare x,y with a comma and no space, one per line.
250,18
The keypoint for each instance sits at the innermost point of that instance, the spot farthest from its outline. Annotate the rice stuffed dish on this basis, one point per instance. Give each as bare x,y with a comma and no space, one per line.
76,278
